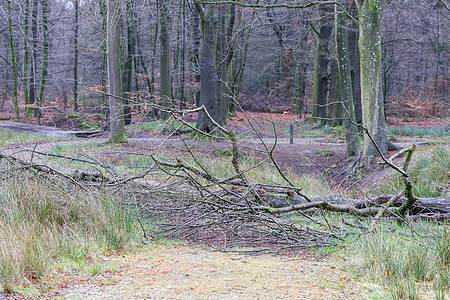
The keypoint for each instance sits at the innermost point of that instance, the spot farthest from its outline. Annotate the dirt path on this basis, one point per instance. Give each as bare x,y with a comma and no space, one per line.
182,272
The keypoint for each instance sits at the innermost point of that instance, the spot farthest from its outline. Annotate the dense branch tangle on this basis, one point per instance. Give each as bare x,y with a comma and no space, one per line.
190,202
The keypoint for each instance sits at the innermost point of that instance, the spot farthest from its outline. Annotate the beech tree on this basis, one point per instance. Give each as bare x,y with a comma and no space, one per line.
345,82
321,73
13,61
117,125
165,92
370,31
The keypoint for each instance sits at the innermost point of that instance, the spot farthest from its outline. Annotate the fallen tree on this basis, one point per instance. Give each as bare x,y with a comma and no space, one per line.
191,203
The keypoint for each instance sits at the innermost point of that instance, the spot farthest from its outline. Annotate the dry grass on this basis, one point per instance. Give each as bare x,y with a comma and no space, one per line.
41,222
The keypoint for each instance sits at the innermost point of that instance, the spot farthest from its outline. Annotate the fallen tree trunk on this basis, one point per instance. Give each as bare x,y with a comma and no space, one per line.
428,207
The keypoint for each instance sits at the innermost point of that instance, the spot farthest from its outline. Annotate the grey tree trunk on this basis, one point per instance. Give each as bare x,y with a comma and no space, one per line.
353,51
33,71
208,75
75,63
320,85
13,62
117,124
28,110
345,82
165,92
221,55
370,30
44,55
128,66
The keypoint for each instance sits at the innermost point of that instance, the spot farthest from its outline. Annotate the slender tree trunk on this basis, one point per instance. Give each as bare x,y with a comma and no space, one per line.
320,85
221,55
128,67
104,51
370,30
44,54
353,51
183,100
115,88
335,101
33,71
165,92
195,57
345,83
13,62
75,64
28,110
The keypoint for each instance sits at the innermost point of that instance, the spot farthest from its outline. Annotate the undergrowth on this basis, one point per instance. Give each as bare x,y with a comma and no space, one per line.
43,222
430,175
8,137
418,131
401,261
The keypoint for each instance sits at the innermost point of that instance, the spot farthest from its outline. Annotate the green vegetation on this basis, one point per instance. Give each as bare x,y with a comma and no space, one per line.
42,223
8,137
159,127
325,153
401,261
419,131
430,175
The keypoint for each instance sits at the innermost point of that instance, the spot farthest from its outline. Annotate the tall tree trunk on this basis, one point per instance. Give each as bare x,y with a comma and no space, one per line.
128,66
208,75
320,85
195,56
370,30
33,71
115,89
28,110
13,62
75,63
221,68
345,82
165,92
44,54
104,51
353,52
183,100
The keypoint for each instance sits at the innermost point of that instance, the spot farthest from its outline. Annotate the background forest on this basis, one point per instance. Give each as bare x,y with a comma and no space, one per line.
266,56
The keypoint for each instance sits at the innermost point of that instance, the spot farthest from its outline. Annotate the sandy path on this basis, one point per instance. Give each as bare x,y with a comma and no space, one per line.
182,272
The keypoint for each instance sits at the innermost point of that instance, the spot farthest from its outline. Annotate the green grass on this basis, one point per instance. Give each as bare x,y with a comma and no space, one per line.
159,127
429,173
406,263
419,131
42,223
8,137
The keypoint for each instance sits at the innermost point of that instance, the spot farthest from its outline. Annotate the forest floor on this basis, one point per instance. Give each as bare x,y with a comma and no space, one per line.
181,271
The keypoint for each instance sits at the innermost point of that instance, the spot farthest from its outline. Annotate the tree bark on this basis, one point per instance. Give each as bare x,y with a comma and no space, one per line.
320,85
75,63
345,83
13,62
117,125
44,55
28,110
165,92
370,31
33,71
208,75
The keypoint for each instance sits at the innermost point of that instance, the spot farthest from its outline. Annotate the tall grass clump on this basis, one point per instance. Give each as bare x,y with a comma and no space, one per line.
399,262
430,175
418,131
41,222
